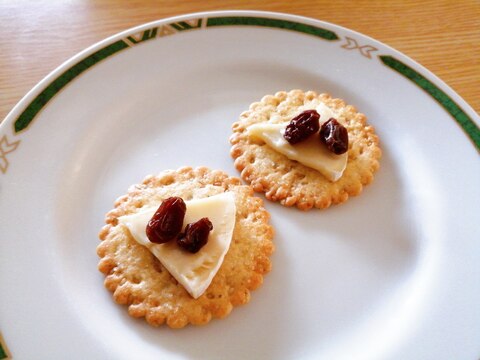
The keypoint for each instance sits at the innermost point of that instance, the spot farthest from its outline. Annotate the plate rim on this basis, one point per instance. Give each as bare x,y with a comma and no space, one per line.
12,116
27,99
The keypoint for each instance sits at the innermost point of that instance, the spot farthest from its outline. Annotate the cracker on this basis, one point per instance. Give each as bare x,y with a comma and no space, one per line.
139,280
290,182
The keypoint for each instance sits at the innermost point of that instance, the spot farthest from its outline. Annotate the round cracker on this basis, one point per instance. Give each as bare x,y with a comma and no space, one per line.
288,181
139,280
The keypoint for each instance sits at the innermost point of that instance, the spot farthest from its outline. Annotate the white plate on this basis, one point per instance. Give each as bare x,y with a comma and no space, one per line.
391,274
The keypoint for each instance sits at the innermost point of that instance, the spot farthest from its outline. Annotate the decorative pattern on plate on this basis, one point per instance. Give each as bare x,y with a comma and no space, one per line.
4,353
30,112
273,23
6,148
27,116
446,101
163,30
352,44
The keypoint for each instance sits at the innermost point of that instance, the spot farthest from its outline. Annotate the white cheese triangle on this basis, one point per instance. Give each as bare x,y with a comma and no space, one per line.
194,271
325,113
311,152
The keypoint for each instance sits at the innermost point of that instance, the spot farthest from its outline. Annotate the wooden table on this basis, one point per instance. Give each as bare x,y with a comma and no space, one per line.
37,36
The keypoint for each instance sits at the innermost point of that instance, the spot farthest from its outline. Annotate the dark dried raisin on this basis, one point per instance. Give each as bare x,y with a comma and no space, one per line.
167,222
335,136
196,235
302,126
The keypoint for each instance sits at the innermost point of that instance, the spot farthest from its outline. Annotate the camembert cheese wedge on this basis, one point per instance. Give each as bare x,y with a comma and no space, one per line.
194,271
311,152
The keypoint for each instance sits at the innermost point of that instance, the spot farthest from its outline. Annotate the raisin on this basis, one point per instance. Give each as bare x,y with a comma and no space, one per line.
302,126
196,235
335,136
167,222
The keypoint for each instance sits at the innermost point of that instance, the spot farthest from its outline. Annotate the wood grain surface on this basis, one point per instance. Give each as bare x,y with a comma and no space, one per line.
37,36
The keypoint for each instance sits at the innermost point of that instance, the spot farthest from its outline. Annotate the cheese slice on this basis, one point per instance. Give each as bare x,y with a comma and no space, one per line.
194,271
311,152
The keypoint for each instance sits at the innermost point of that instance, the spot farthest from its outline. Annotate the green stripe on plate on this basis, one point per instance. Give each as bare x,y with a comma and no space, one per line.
274,23
53,88
446,101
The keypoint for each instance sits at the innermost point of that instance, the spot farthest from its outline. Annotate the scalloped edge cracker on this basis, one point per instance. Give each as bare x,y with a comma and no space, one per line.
288,181
139,280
